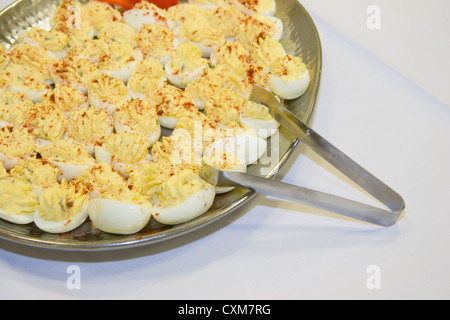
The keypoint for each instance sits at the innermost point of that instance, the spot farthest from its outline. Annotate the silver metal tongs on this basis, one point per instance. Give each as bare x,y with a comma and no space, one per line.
353,209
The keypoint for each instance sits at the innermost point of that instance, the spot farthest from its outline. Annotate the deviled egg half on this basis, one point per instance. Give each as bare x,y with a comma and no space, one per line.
18,77
147,75
146,12
290,78
53,40
66,98
181,197
157,42
256,116
171,103
140,117
107,93
62,207
185,65
14,107
123,151
37,172
16,144
120,60
86,127
71,158
46,122
18,202
114,207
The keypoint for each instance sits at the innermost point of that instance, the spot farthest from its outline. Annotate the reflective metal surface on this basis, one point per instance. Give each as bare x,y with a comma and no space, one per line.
300,38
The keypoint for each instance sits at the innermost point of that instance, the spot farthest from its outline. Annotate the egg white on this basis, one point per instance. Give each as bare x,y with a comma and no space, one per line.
118,217
61,226
263,128
110,108
135,18
191,208
290,89
180,78
16,218
124,73
269,12
247,147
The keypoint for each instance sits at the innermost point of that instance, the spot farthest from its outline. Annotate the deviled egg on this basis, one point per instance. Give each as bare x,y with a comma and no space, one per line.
100,13
225,107
53,40
290,78
157,42
146,12
18,77
14,106
256,116
46,122
226,19
123,151
120,60
259,26
86,127
18,202
71,158
37,172
185,65
114,207
147,75
181,197
107,93
171,103
140,117
62,207
35,57
66,98
74,71
16,144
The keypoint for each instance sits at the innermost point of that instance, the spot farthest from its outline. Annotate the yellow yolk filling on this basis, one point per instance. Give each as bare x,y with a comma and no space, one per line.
139,115
36,172
117,56
14,106
171,101
126,147
17,197
22,76
66,152
100,13
16,142
109,89
61,202
200,31
88,125
179,187
155,40
65,97
46,121
255,110
225,107
289,68
52,40
105,183
186,58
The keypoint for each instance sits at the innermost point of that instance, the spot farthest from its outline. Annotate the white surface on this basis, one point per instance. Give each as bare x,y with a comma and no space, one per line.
381,117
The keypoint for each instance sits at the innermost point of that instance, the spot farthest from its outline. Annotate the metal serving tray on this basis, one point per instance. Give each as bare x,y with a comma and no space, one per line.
300,38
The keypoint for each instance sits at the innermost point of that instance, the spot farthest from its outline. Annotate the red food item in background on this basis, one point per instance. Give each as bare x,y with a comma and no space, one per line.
164,4
128,4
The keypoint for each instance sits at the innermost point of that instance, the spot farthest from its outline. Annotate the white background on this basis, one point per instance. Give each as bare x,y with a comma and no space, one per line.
384,100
